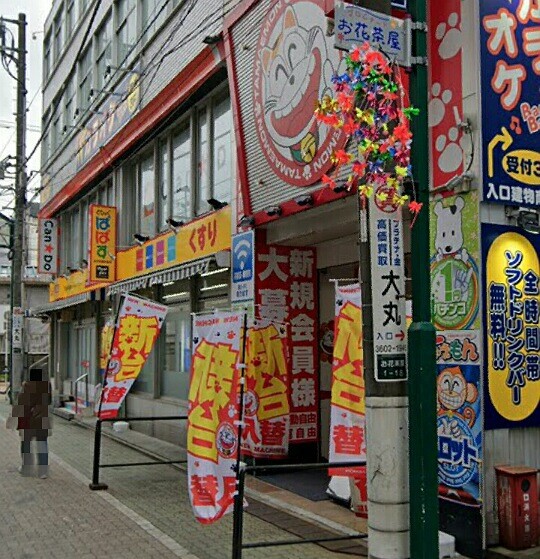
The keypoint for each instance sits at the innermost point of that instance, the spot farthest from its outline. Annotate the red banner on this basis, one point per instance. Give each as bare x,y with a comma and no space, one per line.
212,437
287,294
445,109
138,325
348,411
266,401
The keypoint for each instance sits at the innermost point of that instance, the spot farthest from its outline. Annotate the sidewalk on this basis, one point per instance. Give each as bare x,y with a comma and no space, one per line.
145,513
59,517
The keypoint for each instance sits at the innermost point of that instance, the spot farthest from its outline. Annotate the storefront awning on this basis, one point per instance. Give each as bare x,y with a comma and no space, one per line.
183,271
67,302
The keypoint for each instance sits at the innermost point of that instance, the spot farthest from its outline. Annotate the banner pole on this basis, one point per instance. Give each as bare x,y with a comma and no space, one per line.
239,495
104,382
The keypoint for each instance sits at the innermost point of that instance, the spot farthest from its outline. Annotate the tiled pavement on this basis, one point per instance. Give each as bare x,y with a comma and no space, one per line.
145,514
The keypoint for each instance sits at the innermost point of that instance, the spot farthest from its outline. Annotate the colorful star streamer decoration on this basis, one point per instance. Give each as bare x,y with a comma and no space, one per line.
369,107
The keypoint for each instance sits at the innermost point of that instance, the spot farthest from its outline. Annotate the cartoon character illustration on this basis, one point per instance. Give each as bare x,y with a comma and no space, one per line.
297,72
453,395
449,239
326,341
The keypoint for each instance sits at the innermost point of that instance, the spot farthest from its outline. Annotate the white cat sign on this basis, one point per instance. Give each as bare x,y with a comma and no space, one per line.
292,70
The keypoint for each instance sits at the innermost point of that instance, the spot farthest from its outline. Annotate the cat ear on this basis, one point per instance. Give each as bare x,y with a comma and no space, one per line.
290,19
266,57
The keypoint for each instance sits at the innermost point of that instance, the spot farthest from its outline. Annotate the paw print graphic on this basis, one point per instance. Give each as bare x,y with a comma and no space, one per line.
449,35
450,153
437,104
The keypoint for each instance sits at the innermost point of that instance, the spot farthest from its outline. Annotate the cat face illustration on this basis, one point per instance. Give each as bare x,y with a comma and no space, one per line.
294,80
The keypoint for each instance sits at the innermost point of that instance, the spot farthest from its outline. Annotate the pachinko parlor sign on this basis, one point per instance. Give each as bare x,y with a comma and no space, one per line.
293,69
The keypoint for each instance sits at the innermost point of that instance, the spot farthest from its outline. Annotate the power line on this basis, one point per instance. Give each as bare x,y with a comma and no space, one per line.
197,32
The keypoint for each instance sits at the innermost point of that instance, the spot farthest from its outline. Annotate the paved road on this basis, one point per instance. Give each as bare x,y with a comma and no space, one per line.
145,514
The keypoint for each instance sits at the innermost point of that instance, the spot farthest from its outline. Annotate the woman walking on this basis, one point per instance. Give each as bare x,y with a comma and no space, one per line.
31,417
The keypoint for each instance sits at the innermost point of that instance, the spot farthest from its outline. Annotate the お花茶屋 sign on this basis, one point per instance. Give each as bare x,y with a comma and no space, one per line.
48,246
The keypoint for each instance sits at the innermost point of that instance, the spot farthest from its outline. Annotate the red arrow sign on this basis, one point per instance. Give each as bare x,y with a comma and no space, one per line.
401,336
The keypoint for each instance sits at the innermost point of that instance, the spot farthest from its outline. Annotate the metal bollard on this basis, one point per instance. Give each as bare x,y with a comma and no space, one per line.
96,485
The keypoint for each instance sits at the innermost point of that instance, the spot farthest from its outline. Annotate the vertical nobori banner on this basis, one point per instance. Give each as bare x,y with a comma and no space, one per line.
348,411
286,294
266,400
138,325
459,422
510,69
512,332
102,249
212,437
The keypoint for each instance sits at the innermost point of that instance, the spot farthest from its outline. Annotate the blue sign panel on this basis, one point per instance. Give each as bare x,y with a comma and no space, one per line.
243,267
510,70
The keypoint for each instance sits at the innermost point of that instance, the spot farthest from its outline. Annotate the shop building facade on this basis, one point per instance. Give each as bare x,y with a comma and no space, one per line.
169,111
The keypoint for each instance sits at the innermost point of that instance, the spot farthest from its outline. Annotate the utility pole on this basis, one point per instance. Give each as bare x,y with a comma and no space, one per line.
385,374
18,55
424,506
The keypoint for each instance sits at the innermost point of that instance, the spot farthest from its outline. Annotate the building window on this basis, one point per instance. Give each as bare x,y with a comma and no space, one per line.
164,184
222,152
74,256
177,335
47,56
58,35
84,234
181,186
70,18
103,52
85,79
147,196
69,103
126,28
46,143
56,132
83,5
202,163
154,13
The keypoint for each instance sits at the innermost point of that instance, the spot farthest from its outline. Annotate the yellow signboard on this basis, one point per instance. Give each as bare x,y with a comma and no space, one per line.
102,249
74,284
513,340
202,237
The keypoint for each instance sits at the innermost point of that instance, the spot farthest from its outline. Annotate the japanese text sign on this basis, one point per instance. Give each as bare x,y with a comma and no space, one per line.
510,70
388,288
138,325
102,246
212,437
512,337
459,421
197,239
266,400
286,294
74,284
47,246
445,107
243,267
348,412
17,324
355,25
455,250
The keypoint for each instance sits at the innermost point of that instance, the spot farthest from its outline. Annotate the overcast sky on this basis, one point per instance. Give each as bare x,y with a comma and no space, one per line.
36,12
